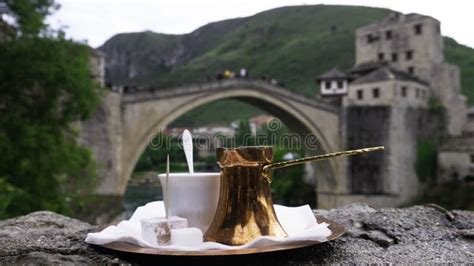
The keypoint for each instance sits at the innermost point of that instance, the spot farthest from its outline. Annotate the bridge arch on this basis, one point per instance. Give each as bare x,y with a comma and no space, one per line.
144,114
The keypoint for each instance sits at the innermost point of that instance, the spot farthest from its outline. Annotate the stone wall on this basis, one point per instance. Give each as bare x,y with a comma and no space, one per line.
97,62
456,159
445,81
412,235
368,127
454,165
388,178
469,126
390,93
102,134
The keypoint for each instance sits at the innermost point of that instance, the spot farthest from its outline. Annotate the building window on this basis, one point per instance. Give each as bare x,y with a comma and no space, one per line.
394,57
417,93
339,84
381,56
472,158
370,38
411,70
328,84
404,91
438,29
423,94
360,94
388,35
418,29
409,55
376,92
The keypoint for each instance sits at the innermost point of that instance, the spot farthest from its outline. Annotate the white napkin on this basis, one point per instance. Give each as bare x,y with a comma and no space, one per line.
299,223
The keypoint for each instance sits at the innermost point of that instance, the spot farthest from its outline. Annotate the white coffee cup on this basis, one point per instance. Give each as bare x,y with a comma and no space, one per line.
192,196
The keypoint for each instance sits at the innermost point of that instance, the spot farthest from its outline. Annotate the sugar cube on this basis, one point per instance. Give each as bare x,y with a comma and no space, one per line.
186,236
157,230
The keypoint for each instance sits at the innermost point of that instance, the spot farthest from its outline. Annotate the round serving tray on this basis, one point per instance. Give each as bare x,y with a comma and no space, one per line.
336,229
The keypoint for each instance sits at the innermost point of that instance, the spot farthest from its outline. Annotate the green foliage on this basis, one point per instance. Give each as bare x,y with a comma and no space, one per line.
426,161
30,14
8,193
462,56
292,44
288,185
154,156
244,136
435,105
45,86
214,112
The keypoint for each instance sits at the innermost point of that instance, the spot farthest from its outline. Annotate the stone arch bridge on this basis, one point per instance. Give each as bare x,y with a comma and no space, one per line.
120,129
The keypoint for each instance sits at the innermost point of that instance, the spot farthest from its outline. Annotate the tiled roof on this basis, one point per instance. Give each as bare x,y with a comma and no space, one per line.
385,73
333,74
366,67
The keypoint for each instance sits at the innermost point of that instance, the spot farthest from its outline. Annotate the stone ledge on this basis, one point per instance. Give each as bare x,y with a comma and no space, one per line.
410,235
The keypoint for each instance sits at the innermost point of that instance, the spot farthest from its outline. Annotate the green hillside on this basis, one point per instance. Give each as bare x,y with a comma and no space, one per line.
291,44
462,56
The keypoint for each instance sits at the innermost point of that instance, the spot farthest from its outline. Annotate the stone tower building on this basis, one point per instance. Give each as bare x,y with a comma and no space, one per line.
399,70
413,43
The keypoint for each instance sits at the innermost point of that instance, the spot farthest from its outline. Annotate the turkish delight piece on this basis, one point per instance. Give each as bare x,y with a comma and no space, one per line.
186,236
157,230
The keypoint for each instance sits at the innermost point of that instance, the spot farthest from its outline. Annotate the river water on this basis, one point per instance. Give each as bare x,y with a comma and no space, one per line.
139,195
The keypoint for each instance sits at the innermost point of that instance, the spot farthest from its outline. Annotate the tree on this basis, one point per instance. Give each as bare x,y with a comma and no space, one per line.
244,136
30,15
45,86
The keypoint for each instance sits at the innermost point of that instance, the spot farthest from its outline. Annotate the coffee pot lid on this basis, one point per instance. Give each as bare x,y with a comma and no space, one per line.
244,156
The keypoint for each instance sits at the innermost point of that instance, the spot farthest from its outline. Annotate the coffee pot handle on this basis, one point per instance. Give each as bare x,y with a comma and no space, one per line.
269,167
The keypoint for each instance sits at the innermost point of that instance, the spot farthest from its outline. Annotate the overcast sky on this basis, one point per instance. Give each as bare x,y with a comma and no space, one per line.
98,20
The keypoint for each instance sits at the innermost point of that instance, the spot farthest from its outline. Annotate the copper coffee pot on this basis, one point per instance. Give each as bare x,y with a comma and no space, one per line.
245,207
